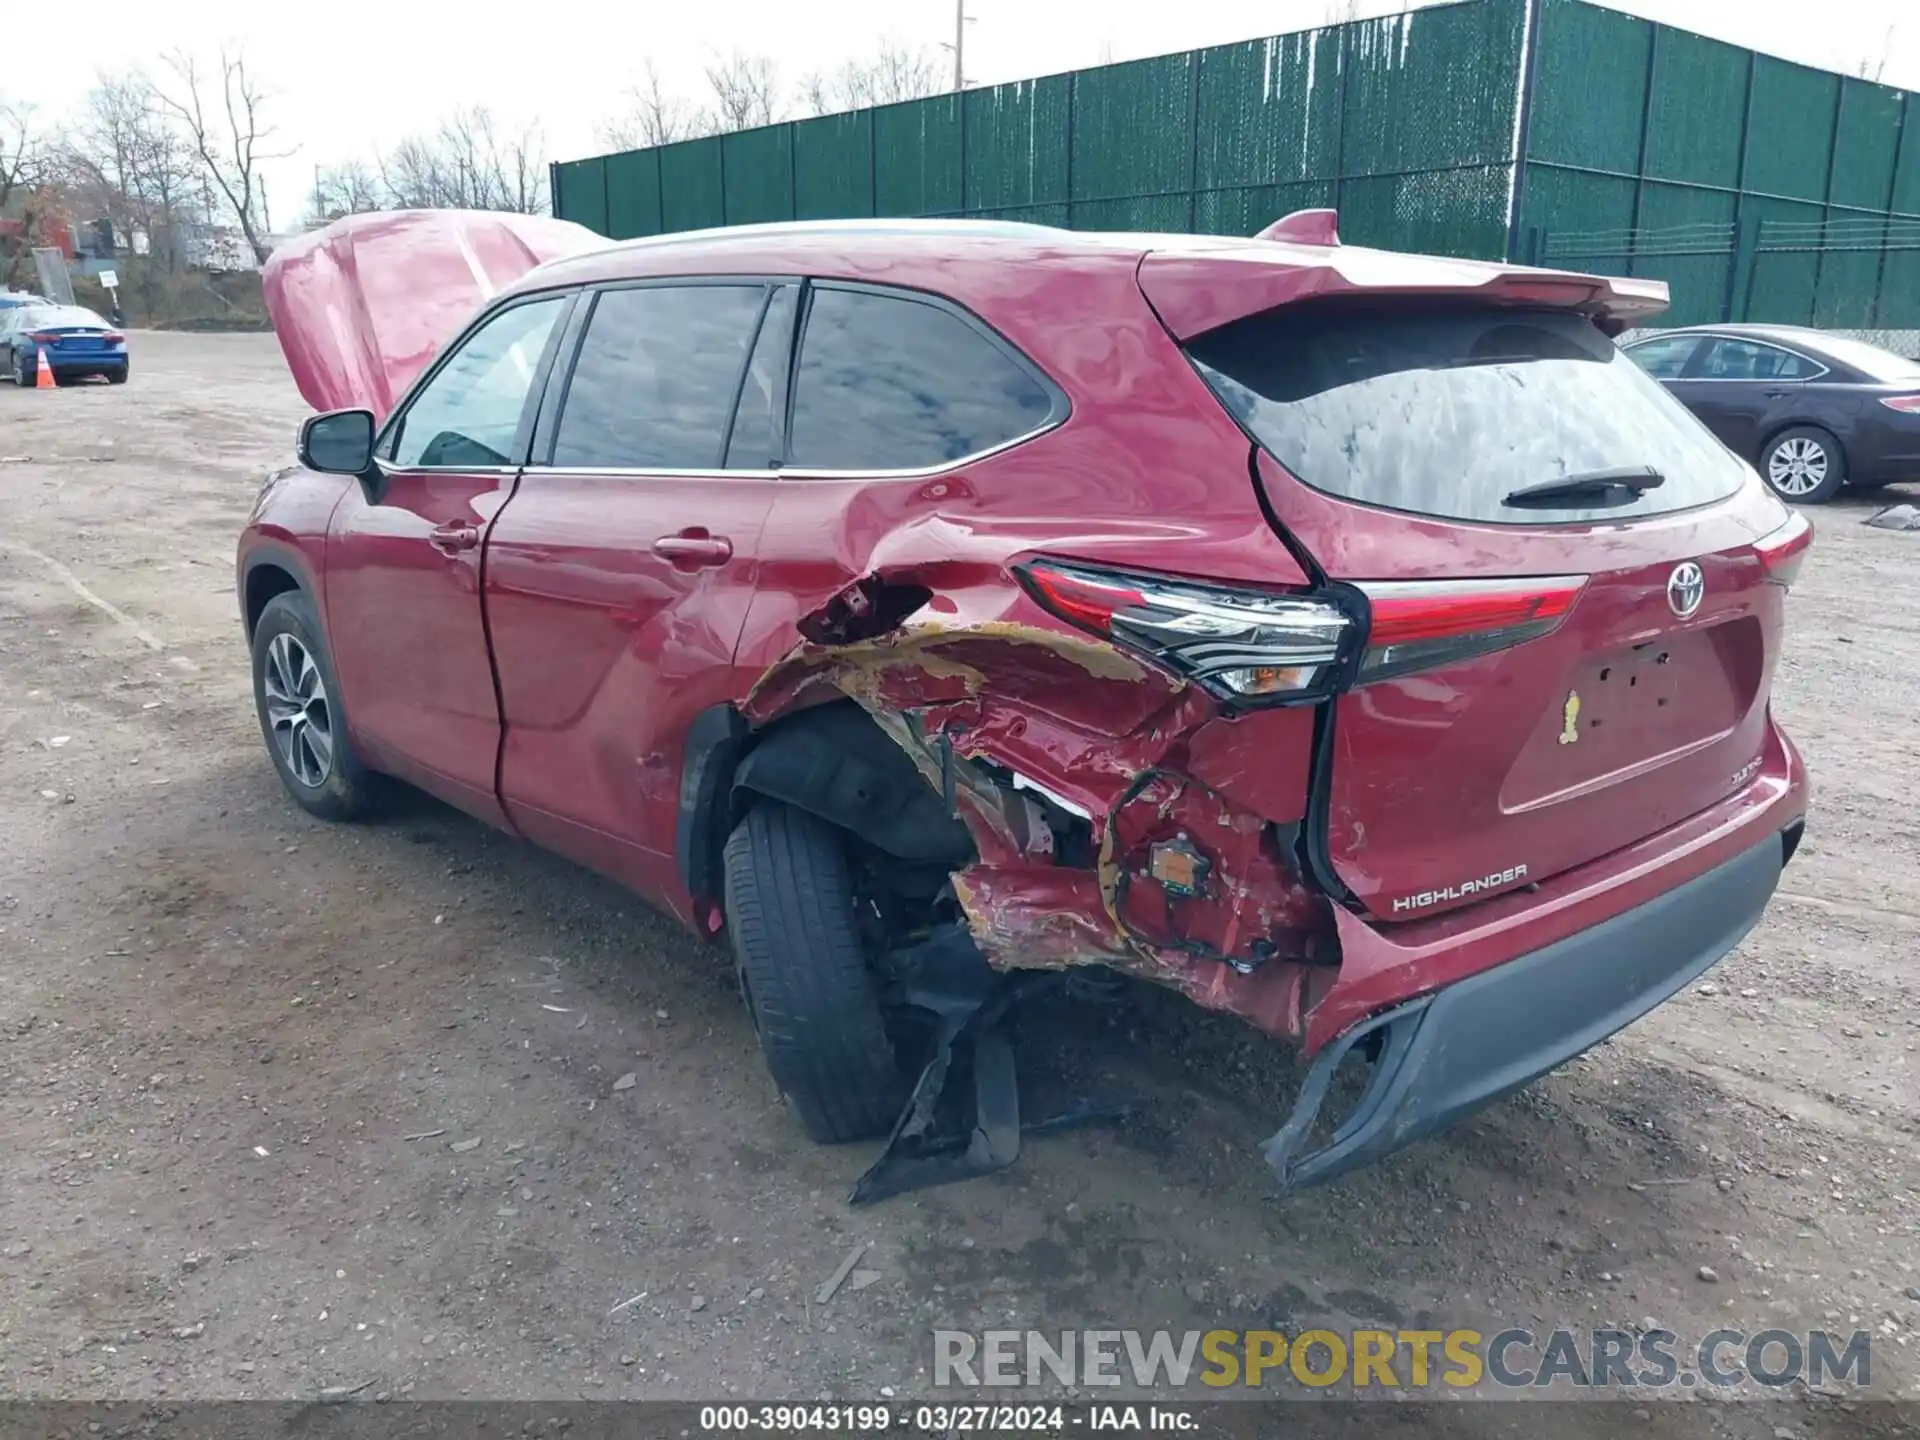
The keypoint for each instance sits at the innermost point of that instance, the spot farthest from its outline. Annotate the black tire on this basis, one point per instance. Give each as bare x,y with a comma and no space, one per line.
1815,447
20,376
815,1006
119,377
347,790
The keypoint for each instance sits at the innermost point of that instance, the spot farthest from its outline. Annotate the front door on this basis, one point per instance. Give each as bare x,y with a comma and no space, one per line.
619,578
403,564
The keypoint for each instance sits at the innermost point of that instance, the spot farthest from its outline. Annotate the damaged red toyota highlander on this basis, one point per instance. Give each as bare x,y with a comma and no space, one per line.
1355,642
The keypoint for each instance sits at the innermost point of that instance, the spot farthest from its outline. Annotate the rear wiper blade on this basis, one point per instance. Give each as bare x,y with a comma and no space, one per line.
1633,479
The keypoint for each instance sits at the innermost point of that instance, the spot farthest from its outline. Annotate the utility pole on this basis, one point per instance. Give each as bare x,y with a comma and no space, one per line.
959,46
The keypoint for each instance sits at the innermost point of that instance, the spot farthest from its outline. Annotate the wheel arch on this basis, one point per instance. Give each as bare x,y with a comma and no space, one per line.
268,571
832,761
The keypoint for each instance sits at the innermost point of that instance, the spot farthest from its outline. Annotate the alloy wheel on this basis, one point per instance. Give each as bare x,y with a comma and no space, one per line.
1797,466
298,714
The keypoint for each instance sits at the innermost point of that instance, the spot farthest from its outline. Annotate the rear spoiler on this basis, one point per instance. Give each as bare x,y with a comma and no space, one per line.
1200,286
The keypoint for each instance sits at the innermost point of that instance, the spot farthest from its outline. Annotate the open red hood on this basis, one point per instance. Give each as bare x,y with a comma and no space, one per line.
363,306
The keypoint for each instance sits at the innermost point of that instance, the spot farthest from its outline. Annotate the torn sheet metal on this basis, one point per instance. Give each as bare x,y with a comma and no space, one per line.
1035,733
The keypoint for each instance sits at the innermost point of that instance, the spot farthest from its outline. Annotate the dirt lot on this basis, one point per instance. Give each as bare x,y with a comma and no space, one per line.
223,1026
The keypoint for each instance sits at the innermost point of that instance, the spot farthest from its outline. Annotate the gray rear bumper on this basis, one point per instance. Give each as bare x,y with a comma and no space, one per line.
1447,1054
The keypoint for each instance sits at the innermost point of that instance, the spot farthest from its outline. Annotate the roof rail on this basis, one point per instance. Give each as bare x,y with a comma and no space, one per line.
1305,227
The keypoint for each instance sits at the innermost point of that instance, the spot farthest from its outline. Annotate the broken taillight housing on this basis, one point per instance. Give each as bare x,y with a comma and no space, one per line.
1782,551
1420,623
1244,646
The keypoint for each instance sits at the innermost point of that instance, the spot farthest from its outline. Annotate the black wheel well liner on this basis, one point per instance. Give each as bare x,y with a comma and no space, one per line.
833,761
268,574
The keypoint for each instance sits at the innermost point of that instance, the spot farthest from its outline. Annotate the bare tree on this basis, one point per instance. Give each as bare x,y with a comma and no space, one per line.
131,165
351,188
894,73
746,90
225,132
655,116
22,173
467,165
1874,67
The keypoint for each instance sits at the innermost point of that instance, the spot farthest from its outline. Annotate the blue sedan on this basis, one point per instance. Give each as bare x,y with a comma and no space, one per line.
77,344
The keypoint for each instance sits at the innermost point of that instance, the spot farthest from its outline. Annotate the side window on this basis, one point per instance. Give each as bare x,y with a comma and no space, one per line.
759,421
469,413
1664,359
1750,360
888,383
654,383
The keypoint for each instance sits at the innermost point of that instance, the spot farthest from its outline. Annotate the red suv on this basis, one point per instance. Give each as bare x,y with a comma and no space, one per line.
1352,641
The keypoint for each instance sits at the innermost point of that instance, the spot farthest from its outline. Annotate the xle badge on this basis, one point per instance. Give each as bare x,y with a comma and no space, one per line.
1570,718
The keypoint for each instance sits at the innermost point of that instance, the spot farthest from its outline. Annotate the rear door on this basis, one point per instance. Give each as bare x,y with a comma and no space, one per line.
618,579
1742,389
1550,676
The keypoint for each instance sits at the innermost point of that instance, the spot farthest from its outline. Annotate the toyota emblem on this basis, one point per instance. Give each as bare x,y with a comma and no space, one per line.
1686,587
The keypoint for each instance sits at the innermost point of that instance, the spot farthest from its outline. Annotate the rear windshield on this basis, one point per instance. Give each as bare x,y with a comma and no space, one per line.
68,315
1448,410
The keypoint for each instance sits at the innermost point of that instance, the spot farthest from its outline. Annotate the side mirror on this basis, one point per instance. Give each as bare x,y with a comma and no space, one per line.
338,443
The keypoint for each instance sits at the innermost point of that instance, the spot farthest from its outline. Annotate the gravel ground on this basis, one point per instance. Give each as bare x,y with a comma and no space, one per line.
288,1106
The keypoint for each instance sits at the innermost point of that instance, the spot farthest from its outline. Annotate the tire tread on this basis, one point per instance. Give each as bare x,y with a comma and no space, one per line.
790,914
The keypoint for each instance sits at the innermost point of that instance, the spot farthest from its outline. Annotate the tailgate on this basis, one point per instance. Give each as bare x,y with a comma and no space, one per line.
1550,676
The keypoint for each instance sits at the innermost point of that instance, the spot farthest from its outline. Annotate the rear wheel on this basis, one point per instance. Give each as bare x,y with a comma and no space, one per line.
20,376
814,1001
119,377
1805,465
298,698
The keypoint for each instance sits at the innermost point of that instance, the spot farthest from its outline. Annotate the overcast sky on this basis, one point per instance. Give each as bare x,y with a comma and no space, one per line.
351,76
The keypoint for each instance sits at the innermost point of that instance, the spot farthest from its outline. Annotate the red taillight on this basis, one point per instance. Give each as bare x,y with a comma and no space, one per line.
1418,624
1244,646
114,337
1905,404
1783,550
43,337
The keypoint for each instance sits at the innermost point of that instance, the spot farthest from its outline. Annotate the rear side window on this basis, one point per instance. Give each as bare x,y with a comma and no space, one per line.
889,383
759,421
654,382
1748,360
1447,410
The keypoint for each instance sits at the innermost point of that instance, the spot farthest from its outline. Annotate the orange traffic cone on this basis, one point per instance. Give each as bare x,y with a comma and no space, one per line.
43,377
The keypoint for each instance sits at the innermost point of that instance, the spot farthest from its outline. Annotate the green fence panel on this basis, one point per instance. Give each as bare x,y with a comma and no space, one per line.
1017,146
633,194
1900,291
1590,88
1698,282
1439,212
758,165
1790,132
1843,286
1780,286
1269,128
1906,183
1694,115
1407,124
1865,144
581,193
1247,211
691,194
833,166
1133,147
1429,89
1565,205
918,157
